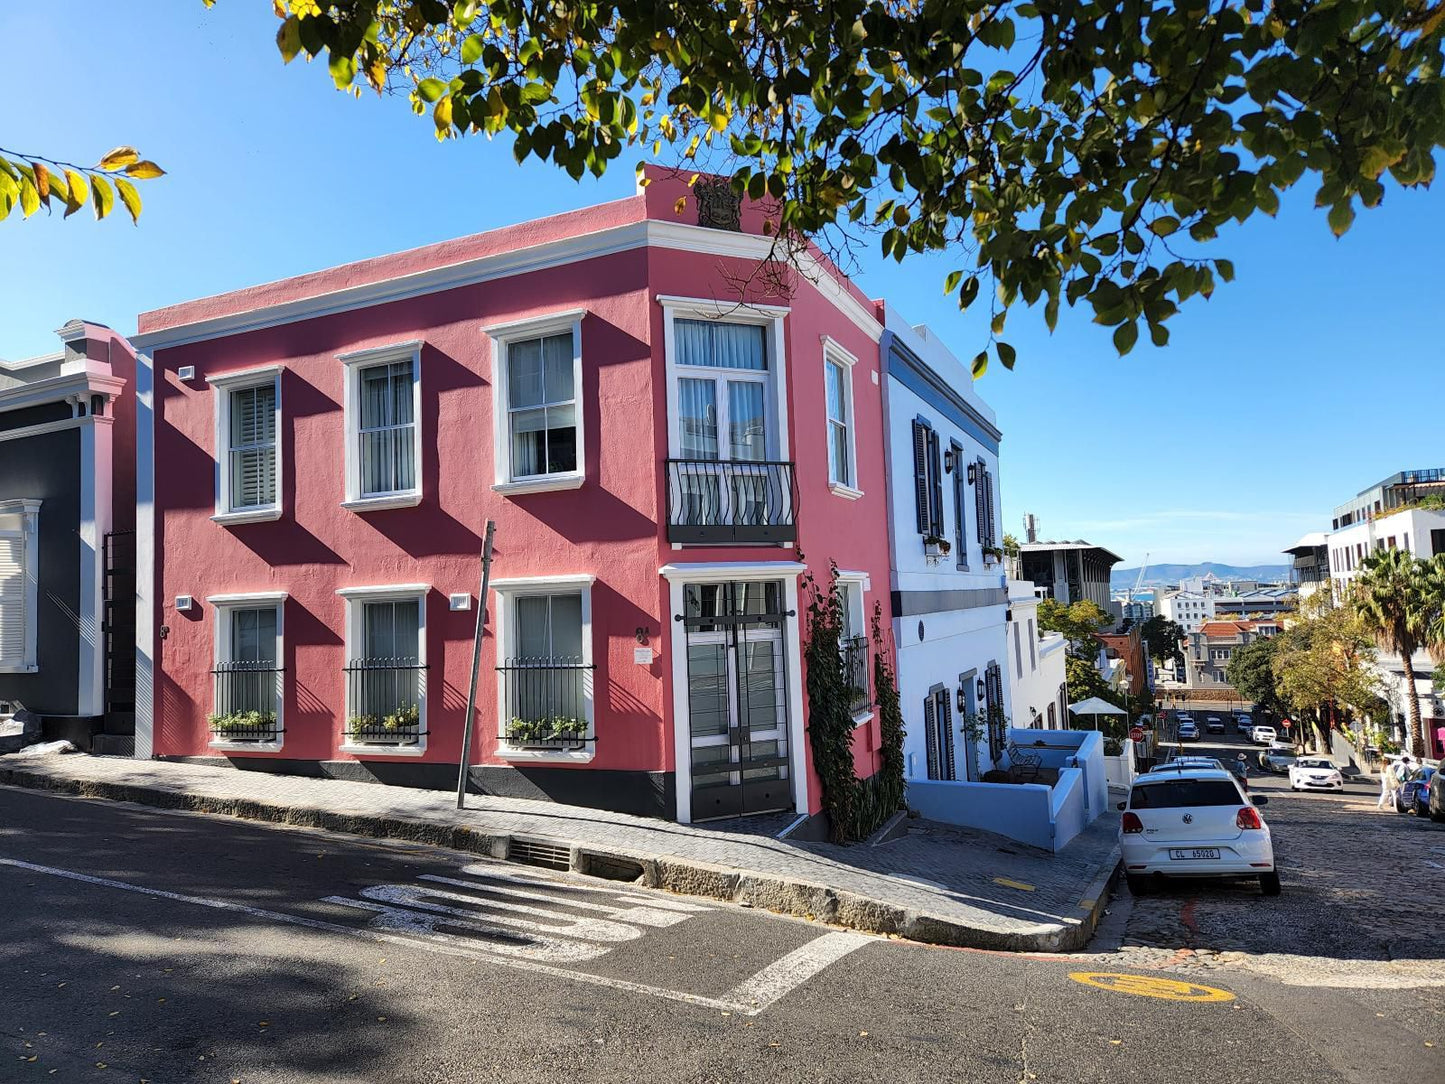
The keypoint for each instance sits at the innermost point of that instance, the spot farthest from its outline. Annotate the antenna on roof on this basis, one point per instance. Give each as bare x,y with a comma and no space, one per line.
1031,528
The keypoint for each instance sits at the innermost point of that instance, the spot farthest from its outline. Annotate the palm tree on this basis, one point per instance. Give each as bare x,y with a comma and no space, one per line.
1391,597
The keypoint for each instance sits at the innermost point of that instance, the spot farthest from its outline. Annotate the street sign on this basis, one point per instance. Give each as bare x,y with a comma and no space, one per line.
1137,734
1285,724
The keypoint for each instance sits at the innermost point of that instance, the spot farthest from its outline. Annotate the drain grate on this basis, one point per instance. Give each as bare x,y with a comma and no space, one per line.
540,852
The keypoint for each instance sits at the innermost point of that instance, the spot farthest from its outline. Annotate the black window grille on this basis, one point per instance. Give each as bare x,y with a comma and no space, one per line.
384,701
544,701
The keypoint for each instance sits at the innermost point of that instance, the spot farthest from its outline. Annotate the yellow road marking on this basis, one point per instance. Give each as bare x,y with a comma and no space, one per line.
1148,986
1020,885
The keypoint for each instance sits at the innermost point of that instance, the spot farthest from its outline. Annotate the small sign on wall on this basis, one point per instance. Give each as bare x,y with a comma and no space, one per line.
642,656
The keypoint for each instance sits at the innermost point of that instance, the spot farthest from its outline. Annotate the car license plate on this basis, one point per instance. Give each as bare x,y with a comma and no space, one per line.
1193,853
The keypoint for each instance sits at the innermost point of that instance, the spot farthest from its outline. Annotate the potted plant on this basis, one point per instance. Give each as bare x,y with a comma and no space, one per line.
236,722
992,555
936,547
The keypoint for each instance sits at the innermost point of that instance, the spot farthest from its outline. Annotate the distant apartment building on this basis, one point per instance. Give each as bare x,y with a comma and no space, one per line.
1311,563
1139,611
1188,610
1213,645
1400,490
1069,572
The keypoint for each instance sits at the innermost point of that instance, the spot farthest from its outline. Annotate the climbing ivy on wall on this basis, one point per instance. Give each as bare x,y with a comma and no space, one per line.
856,807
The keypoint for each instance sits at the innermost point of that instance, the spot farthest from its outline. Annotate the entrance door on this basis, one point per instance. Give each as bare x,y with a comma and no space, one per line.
737,698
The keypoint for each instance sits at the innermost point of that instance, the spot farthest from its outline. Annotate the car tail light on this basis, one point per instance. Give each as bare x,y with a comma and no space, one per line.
1248,818
1132,823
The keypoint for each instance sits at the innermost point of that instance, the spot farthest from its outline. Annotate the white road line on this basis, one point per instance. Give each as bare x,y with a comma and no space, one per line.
749,997
487,893
783,976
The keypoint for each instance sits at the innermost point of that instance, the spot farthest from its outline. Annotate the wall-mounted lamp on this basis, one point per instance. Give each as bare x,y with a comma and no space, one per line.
972,473
962,700
981,688
949,461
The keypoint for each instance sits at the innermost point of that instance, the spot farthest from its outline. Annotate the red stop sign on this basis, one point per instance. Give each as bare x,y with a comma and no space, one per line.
1137,734
1285,724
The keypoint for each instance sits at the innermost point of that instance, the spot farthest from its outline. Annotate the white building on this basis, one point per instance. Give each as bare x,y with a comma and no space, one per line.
1037,686
1417,530
945,545
1188,609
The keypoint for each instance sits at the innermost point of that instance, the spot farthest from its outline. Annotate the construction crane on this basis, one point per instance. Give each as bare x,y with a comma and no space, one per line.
1139,580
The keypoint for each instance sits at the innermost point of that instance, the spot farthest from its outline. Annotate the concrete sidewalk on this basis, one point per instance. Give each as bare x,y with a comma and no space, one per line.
932,883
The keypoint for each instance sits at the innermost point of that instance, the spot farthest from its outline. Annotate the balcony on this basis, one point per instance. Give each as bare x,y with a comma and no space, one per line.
731,502
383,701
544,702
247,699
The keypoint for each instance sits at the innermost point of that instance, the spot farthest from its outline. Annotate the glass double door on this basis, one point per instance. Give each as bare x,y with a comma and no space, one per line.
737,698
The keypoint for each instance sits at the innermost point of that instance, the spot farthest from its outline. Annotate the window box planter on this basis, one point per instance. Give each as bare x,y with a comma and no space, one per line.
936,548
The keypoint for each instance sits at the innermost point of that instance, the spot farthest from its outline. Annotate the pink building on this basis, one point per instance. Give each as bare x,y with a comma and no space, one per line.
658,441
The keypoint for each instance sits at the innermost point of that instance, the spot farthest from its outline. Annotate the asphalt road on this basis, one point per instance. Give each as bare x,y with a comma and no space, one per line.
149,946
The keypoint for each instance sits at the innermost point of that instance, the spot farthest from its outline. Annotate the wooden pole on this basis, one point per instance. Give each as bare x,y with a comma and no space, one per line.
476,662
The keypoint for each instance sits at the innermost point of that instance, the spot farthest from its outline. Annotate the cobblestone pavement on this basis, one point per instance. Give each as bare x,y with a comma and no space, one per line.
976,880
1361,907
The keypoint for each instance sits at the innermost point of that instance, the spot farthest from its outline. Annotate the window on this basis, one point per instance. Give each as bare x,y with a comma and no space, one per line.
544,667
538,381
927,479
1033,646
983,501
247,700
1437,541
995,710
386,707
853,643
19,585
383,428
1018,650
960,518
248,445
838,404
938,734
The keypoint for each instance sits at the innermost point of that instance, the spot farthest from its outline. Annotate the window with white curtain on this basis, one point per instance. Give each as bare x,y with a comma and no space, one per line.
383,427
19,576
542,405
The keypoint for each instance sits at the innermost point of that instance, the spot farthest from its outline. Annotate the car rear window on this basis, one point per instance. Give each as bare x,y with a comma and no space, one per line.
1174,793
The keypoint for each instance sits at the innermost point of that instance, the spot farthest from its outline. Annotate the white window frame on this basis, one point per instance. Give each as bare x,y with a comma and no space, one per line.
775,380
224,384
353,363
508,591
857,585
29,512
834,353
502,335
354,597
222,605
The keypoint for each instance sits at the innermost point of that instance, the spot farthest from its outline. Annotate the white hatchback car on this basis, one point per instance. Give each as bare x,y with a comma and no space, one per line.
1194,822
1262,735
1315,773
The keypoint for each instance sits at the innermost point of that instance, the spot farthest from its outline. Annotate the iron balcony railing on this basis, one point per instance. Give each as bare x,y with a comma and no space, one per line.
544,702
731,501
855,668
247,702
383,701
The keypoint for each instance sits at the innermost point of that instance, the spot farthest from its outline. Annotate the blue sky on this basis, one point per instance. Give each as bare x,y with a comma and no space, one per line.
1316,373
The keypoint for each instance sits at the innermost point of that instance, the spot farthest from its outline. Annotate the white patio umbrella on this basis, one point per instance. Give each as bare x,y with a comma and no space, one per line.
1096,706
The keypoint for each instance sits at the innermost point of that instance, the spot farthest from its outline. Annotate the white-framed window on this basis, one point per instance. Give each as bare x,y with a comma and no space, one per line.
19,585
538,436
383,427
248,445
838,407
386,668
545,698
1033,646
248,678
855,644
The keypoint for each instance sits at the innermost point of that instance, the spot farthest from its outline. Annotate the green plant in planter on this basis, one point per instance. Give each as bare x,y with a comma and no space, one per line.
546,728
232,722
404,717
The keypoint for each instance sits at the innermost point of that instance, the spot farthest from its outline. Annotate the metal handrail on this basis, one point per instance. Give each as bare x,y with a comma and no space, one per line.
731,501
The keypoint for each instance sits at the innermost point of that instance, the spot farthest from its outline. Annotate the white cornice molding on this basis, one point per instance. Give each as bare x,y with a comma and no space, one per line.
241,598
715,571
385,590
57,388
713,306
259,374
375,355
541,324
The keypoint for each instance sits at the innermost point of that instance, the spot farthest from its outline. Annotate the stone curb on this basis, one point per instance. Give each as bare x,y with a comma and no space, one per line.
681,875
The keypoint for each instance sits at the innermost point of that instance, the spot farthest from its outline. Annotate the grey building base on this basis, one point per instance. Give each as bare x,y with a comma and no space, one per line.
79,730
643,794
18,731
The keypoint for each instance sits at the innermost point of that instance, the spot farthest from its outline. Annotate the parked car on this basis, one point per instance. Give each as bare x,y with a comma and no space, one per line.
1262,735
1436,799
1278,758
1315,773
1196,823
1177,760
1213,724
1188,731
1414,795
1243,723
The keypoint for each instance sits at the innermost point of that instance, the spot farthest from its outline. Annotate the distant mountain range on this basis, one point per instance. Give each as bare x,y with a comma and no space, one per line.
1162,574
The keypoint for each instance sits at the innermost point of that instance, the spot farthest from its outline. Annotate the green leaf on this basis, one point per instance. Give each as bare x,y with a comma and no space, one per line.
79,191
980,364
969,293
144,170
431,89
29,196
951,282
288,39
1225,269
1006,355
1164,225
101,196
1342,215
472,49
129,198
1125,335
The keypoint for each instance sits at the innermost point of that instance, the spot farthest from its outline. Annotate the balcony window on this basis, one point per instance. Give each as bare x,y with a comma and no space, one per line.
537,375
544,667
248,675
386,709
383,426
19,585
248,445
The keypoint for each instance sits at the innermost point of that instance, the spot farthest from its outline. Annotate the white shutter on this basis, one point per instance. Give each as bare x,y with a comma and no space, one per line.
12,599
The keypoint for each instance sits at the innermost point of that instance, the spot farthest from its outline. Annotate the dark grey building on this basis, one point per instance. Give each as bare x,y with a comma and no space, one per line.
67,518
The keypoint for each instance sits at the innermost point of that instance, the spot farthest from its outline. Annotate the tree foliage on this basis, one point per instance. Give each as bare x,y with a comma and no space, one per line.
1251,672
1322,662
1162,638
30,182
1064,150
1078,622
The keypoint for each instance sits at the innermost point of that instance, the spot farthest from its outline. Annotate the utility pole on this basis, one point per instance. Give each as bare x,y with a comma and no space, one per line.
476,662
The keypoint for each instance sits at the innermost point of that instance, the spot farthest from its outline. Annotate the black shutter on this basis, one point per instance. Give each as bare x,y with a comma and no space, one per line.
992,526
930,737
935,487
993,683
980,509
947,728
920,472
960,531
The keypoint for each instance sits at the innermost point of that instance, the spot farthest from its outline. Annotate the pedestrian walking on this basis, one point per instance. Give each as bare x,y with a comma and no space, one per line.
1391,779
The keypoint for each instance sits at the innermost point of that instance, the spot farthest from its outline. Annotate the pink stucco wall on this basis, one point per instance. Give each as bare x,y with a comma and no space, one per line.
613,526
